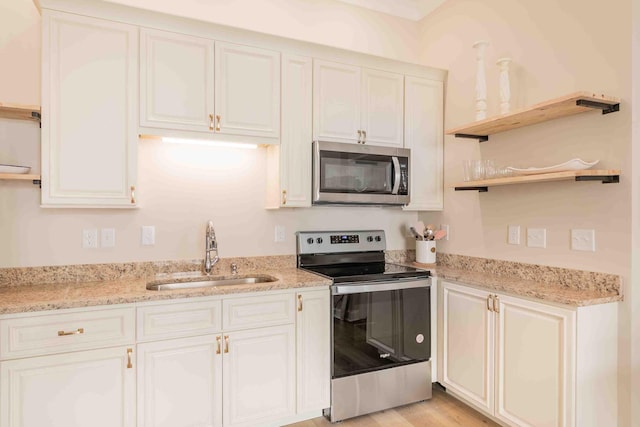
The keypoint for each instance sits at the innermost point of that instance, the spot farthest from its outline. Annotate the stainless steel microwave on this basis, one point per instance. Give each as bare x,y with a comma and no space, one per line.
354,174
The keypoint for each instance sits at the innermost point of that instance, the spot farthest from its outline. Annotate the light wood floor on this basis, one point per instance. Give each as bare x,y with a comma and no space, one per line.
440,411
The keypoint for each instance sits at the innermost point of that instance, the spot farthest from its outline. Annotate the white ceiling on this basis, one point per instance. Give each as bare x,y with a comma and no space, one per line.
409,9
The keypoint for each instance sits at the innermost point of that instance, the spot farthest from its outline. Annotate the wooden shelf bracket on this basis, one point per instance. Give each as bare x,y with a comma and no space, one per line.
606,108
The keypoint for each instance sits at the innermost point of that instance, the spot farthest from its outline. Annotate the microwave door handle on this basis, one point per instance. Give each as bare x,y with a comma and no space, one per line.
396,175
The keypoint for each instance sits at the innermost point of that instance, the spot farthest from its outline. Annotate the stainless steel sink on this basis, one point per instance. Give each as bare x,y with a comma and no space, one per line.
209,282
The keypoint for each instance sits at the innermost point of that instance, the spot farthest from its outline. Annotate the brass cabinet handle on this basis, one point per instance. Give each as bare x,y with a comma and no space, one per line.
129,364
218,123
359,136
299,302
496,307
489,299
364,136
284,197
210,121
218,344
133,194
76,332
226,343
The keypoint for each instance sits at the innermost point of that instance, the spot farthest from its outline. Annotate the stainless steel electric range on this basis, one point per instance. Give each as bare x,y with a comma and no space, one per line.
381,329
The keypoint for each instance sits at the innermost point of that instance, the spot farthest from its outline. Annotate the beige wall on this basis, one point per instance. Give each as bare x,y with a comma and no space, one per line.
557,47
326,22
181,187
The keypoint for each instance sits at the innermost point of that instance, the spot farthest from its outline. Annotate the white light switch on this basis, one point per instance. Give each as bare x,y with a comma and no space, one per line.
583,240
279,233
513,235
148,235
445,227
108,237
537,237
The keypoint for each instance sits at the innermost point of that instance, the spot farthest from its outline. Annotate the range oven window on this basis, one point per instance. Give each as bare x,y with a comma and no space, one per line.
342,172
379,330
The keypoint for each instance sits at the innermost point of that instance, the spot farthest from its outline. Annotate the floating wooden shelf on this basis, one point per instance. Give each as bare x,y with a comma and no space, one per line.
605,176
21,177
568,105
20,112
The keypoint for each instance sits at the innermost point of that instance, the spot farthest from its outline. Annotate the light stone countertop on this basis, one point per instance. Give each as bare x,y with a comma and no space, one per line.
31,289
544,292
55,296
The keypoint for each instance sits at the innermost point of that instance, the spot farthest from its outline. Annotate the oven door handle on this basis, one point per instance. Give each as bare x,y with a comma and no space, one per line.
363,287
396,175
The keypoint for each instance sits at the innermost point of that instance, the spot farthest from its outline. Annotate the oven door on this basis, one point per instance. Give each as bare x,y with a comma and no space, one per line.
358,174
380,325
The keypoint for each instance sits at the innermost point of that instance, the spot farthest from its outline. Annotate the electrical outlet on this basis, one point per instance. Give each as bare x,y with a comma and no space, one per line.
583,240
90,238
537,237
108,237
148,235
445,227
279,233
513,235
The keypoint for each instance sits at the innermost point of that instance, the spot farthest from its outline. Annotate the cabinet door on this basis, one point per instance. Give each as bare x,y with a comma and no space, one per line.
535,353
467,346
382,108
424,135
295,143
247,93
89,124
176,81
336,102
180,382
313,350
259,376
87,388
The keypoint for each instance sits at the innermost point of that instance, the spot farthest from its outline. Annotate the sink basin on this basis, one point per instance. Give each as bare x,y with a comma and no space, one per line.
207,282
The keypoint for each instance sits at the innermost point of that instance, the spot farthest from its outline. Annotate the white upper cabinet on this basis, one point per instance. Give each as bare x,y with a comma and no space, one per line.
382,106
289,164
247,91
424,135
353,104
176,81
89,97
195,87
336,102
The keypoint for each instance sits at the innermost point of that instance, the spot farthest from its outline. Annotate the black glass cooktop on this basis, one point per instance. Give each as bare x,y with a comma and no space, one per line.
365,272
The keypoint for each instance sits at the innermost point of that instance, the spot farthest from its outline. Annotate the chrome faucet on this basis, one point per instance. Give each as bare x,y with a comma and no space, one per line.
211,245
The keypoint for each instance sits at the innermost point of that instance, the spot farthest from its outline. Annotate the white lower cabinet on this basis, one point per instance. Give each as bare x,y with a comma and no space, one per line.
258,376
232,361
313,332
528,363
180,382
86,388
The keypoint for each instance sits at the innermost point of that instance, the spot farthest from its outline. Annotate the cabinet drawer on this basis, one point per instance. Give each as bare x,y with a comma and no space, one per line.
253,312
65,332
181,319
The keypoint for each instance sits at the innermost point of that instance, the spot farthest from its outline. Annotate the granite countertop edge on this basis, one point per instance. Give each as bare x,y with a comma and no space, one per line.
541,292
58,296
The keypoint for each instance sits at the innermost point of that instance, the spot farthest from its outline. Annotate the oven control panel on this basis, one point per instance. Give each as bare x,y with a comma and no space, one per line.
314,242
344,238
